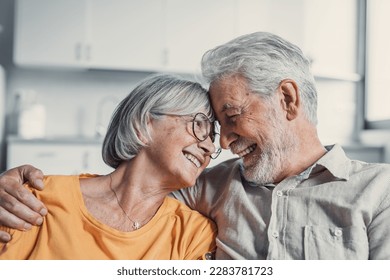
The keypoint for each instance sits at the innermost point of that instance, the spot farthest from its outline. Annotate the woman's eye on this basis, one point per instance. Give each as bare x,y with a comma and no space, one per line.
198,123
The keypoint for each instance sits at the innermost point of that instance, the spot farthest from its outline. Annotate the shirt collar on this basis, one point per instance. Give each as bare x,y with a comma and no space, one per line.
336,162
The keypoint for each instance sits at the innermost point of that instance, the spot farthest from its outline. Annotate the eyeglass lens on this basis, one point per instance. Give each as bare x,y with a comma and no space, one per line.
203,128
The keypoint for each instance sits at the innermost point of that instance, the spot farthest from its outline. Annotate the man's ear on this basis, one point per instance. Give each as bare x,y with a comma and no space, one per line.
290,98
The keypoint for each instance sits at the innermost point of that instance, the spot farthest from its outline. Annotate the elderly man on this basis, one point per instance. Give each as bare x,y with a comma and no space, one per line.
286,196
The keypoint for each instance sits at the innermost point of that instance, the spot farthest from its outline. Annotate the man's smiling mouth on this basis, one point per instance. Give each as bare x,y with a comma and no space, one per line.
247,151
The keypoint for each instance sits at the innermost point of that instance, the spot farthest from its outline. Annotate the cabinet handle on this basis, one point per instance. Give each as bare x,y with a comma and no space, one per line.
46,155
85,160
77,51
165,57
88,52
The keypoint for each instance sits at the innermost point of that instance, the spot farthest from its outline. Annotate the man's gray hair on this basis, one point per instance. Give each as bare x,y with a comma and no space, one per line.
151,99
264,60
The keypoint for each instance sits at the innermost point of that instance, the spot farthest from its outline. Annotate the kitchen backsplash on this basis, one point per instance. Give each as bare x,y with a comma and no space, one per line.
77,102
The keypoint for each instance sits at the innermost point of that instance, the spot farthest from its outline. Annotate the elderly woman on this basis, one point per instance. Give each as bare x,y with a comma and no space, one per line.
159,140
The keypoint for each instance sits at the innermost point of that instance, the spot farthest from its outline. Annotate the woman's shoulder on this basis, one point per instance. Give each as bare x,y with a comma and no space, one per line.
53,182
172,205
58,186
196,232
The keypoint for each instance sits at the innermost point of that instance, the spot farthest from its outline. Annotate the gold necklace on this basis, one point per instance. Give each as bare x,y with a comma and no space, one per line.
136,224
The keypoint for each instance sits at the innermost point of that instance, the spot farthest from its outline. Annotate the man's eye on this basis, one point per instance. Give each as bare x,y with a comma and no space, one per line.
233,118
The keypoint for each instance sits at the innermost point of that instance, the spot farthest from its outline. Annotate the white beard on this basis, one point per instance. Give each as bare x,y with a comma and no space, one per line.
267,166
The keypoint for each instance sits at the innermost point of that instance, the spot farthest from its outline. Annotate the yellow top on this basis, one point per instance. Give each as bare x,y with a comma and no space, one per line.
69,231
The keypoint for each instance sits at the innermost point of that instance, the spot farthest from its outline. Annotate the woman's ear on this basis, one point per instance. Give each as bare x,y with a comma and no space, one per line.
290,99
144,139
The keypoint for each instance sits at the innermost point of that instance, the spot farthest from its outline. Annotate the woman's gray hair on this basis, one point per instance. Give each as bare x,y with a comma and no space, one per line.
153,98
264,60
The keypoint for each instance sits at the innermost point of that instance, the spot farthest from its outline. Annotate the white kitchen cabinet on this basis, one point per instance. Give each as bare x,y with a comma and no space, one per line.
193,27
153,35
100,34
49,32
125,34
57,156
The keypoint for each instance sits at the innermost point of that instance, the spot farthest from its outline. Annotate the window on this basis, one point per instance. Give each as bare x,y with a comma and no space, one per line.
377,64
332,41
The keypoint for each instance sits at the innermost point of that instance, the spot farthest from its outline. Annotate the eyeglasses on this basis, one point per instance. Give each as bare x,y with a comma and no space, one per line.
202,128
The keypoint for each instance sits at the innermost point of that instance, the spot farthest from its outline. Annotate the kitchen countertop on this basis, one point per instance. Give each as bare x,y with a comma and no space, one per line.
369,152
57,140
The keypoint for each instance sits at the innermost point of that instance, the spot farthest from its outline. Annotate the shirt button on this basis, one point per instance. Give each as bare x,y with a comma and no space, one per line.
275,234
279,193
209,256
338,232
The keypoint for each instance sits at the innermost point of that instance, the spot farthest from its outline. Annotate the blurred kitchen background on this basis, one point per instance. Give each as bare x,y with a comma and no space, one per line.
65,64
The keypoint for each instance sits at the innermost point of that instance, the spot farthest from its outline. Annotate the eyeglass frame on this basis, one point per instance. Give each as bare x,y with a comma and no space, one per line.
211,133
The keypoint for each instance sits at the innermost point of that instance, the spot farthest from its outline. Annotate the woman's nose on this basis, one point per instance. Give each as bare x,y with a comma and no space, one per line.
208,146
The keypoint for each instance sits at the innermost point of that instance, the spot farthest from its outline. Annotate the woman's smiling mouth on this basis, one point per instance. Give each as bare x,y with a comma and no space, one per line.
193,159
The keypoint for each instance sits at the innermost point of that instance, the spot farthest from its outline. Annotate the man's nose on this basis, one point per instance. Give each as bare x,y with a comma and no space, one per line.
227,137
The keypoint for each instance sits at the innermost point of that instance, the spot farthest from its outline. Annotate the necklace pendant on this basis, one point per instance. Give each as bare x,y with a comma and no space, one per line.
136,225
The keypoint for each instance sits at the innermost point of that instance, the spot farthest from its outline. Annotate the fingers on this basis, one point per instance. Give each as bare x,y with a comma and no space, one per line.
4,237
19,207
20,210
31,174
21,203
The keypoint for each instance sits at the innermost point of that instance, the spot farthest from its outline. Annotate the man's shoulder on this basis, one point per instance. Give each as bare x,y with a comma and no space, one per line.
231,166
375,169
182,212
219,178
375,176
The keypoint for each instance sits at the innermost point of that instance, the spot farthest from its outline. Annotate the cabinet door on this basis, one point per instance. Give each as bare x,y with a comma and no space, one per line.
50,158
125,34
49,32
92,161
58,158
192,27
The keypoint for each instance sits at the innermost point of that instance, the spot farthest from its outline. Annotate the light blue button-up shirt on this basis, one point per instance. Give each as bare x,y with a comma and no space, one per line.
337,209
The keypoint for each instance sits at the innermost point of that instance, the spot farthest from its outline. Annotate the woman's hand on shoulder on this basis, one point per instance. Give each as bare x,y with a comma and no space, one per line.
19,208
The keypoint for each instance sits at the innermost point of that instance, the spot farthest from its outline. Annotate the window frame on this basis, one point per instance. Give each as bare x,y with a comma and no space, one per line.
362,28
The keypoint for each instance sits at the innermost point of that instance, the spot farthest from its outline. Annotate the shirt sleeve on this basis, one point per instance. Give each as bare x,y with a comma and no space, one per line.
20,246
188,196
379,232
202,245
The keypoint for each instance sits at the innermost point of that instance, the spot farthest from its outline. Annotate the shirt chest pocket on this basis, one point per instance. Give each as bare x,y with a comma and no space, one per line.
335,243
